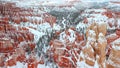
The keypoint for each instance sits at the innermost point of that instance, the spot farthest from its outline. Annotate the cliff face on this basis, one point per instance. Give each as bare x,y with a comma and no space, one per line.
95,48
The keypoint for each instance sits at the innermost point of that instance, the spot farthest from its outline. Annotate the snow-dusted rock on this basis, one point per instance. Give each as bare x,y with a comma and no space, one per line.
113,60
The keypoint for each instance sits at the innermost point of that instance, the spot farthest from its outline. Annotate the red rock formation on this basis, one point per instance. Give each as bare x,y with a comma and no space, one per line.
110,38
66,54
96,42
113,60
11,38
17,40
2,61
97,28
6,46
102,44
65,62
102,30
89,57
18,15
87,54
109,14
118,32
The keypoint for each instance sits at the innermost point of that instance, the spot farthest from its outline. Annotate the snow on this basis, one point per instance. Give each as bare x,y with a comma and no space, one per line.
42,66
81,54
36,33
56,27
114,6
82,64
41,30
62,36
92,35
63,9
95,0
95,10
81,25
100,19
96,65
101,38
11,67
116,47
45,28
113,63
31,3
54,2
118,23
63,22
10,57
22,65
18,65
87,57
115,44
95,17
70,37
111,35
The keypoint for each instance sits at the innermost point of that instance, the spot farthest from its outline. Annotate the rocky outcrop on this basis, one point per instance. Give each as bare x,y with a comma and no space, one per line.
97,28
96,45
66,49
101,48
14,42
118,32
17,15
87,54
113,60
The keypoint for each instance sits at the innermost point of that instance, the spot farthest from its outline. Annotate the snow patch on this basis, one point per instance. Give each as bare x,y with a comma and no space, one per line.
36,33
56,27
42,66
18,65
115,44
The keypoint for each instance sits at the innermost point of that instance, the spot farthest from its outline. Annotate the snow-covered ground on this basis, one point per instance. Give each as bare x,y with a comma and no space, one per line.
44,33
